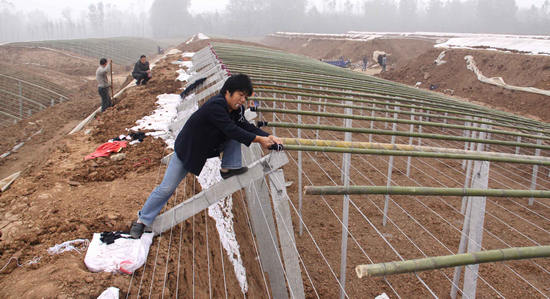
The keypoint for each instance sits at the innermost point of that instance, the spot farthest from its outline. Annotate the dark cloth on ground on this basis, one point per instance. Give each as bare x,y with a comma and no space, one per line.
110,237
192,87
208,128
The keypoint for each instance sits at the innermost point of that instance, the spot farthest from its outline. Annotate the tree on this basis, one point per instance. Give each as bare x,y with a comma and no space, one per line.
407,14
170,18
497,15
96,16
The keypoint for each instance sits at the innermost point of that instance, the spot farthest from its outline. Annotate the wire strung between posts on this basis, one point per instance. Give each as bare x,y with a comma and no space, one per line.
145,264
392,200
252,186
193,243
517,274
398,228
503,184
417,222
493,235
509,171
223,268
181,238
207,253
169,247
339,220
255,246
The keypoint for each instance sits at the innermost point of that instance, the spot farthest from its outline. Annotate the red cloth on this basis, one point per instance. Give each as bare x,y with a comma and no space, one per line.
106,149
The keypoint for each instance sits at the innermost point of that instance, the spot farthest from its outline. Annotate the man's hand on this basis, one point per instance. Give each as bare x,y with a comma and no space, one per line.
275,139
265,142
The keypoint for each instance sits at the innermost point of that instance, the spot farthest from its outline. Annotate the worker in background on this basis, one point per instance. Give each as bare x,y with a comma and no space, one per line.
141,72
102,82
218,126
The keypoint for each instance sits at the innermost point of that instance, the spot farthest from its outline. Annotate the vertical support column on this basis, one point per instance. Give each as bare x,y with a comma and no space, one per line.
420,129
387,115
517,147
445,121
345,210
300,193
284,104
390,170
286,233
20,99
461,248
535,172
318,119
466,133
411,130
468,178
274,116
372,121
263,225
480,181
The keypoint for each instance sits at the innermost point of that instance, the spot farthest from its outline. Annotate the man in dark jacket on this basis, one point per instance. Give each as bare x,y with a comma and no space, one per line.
141,71
217,126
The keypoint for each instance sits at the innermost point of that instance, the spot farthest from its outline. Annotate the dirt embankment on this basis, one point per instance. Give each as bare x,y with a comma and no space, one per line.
61,197
454,77
75,75
400,51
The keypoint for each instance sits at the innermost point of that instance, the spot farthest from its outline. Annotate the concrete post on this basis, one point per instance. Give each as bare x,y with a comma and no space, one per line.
390,170
346,160
286,233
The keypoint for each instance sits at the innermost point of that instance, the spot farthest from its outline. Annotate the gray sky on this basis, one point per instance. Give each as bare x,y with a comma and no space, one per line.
53,8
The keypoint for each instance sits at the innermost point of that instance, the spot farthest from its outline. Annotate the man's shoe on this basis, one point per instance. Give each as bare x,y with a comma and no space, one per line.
136,230
232,172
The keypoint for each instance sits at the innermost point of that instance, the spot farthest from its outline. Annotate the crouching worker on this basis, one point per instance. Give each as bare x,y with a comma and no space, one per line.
217,126
141,71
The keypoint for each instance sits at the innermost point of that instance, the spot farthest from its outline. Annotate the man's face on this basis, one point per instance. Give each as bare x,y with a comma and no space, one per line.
143,59
235,100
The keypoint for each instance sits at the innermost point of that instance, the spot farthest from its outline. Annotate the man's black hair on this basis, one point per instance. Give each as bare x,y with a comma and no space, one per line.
103,61
240,82
142,56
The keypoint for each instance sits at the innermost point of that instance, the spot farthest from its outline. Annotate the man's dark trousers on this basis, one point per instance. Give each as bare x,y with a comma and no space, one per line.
141,79
105,98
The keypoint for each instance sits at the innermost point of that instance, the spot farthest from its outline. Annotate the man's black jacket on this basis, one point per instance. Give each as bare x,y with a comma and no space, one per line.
140,68
208,128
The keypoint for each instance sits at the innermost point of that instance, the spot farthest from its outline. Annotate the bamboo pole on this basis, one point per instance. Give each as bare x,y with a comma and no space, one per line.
279,64
418,104
402,121
423,191
446,261
410,133
407,150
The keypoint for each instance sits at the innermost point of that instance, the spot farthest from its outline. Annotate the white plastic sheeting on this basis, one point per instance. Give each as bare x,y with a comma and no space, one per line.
124,255
498,81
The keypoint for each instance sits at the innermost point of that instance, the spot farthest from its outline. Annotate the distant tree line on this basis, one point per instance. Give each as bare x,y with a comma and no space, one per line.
171,18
